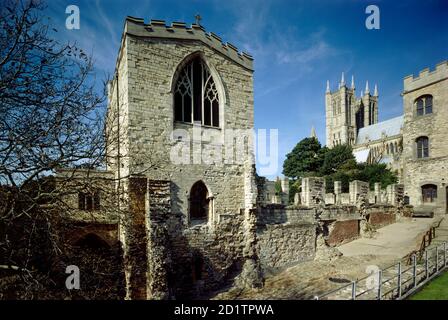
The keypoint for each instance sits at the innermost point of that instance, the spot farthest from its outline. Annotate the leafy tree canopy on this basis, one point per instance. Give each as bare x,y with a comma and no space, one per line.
304,160
308,158
340,156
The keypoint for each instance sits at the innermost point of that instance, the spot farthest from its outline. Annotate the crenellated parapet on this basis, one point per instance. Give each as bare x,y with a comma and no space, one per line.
181,31
426,77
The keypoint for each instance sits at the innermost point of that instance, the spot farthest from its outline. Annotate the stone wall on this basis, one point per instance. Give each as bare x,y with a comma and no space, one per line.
285,236
341,232
433,169
381,216
283,245
358,190
313,191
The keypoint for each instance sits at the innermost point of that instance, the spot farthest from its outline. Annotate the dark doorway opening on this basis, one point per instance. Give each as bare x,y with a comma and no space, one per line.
199,201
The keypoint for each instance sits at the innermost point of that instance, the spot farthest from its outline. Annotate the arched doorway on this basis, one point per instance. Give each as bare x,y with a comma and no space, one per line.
199,202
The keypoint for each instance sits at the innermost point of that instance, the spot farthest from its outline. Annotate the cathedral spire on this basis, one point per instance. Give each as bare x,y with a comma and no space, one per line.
353,82
375,93
342,80
367,87
328,87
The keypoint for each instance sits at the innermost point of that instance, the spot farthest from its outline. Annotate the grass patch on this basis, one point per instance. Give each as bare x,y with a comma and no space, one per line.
437,289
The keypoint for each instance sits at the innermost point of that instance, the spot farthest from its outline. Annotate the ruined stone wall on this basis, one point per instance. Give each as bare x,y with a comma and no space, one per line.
344,231
381,219
283,245
285,236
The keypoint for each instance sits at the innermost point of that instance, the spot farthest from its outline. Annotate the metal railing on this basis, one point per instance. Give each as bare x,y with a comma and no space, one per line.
397,281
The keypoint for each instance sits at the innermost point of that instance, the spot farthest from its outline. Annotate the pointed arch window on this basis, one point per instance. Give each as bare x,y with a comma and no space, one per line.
423,105
196,97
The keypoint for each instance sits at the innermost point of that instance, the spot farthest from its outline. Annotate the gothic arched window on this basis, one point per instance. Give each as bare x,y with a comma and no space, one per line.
423,105
196,98
429,193
422,147
199,201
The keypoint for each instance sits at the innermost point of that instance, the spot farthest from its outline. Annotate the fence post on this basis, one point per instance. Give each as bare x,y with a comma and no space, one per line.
414,273
354,290
444,254
437,259
380,280
426,264
399,279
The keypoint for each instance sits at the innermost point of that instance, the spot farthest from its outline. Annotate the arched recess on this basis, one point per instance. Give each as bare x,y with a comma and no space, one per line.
200,208
179,80
92,241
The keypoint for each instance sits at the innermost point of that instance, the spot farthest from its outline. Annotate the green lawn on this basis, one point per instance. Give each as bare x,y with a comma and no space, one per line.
437,289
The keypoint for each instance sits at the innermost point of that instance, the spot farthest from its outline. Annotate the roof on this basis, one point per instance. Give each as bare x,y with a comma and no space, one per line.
389,128
361,155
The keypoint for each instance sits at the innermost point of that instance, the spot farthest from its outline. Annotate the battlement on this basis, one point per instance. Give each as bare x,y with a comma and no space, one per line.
180,31
426,77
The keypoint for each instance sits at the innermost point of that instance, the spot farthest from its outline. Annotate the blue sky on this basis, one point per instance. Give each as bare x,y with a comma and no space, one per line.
297,46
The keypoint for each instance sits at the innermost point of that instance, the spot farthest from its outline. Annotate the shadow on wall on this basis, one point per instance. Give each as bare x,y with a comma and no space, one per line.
200,258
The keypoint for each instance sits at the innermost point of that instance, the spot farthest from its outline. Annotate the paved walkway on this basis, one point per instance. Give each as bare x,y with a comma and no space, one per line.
307,279
395,240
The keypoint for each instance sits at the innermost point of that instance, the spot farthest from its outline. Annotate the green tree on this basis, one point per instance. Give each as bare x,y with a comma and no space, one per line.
336,157
304,160
376,172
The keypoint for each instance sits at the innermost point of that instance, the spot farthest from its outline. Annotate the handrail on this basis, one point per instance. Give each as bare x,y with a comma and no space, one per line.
429,269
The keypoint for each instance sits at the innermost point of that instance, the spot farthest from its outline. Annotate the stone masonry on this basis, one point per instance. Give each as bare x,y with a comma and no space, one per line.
431,170
183,257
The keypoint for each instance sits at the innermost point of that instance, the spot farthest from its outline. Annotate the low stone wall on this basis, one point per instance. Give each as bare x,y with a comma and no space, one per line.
283,245
341,232
287,235
278,214
381,216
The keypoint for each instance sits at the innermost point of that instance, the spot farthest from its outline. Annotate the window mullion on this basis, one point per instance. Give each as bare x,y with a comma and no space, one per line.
202,94
192,93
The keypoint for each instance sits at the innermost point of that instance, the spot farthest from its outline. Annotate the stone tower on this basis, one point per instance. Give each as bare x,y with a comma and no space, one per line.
345,114
425,152
179,141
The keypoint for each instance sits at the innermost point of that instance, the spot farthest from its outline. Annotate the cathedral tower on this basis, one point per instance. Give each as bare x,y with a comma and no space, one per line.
345,114
340,114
